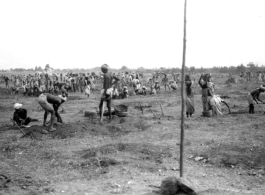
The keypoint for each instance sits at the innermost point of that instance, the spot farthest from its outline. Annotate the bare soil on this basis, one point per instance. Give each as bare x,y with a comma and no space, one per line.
131,155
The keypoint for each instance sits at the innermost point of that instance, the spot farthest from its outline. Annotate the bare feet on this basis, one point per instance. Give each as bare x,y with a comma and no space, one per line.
51,129
59,121
43,131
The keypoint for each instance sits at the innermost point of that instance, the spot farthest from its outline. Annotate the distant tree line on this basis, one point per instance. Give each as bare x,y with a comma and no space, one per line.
251,67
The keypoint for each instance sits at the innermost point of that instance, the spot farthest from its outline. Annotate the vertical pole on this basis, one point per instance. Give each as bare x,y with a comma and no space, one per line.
182,96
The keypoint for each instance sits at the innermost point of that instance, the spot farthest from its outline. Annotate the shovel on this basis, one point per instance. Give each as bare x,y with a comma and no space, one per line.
102,112
261,107
20,128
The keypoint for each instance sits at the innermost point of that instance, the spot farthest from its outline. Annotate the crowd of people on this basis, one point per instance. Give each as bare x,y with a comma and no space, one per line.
34,84
52,90
133,82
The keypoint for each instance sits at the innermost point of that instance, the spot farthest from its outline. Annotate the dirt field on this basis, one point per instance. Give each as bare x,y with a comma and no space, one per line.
224,155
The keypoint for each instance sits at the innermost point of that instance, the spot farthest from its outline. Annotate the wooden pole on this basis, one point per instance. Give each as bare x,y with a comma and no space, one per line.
182,96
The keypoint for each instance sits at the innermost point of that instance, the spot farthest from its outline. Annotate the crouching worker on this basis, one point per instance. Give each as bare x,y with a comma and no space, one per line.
107,89
51,103
20,116
173,85
143,91
125,93
254,96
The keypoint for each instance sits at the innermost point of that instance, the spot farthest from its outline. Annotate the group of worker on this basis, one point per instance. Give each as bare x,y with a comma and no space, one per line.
51,103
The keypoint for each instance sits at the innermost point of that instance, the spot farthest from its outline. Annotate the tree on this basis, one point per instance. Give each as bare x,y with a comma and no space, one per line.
47,67
252,67
241,68
38,68
124,68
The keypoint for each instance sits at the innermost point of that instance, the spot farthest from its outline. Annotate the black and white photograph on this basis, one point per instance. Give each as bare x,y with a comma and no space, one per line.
132,97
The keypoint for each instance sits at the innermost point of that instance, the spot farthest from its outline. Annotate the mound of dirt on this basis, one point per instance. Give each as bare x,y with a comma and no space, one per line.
63,131
67,130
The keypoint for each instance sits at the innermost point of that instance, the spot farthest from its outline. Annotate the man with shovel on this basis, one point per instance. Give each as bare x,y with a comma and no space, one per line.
107,90
20,116
254,96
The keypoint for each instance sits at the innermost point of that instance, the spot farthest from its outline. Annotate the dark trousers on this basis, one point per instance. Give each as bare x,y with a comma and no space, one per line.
251,108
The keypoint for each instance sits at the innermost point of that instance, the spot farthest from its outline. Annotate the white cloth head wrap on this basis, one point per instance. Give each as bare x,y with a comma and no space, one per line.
17,106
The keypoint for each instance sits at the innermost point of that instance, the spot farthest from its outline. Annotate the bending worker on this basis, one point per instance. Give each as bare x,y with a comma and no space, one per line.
51,103
254,96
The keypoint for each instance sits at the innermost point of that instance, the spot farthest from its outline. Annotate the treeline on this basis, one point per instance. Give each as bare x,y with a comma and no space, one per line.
250,67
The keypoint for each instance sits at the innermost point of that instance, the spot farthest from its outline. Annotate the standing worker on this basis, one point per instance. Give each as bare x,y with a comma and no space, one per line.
107,89
189,97
165,82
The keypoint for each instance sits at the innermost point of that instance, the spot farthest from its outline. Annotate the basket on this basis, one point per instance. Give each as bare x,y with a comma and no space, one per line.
121,108
121,114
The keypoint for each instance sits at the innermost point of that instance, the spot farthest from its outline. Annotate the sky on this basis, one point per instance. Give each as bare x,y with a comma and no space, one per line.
132,33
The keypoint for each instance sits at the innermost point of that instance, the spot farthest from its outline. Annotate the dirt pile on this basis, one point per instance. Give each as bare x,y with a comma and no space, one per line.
67,130
63,131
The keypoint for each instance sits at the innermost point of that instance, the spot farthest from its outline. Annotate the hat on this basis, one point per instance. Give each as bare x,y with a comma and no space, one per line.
17,106
105,66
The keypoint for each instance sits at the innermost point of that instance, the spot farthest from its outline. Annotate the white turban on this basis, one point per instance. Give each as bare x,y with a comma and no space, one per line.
17,106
